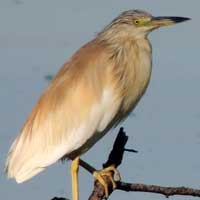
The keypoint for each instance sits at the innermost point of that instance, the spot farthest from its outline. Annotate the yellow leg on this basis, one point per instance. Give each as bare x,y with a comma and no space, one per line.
110,172
74,174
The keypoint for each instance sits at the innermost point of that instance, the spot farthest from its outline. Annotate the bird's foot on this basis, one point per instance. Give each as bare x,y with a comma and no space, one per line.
109,172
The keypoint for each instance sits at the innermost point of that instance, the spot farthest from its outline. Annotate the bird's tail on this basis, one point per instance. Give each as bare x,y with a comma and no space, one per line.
17,166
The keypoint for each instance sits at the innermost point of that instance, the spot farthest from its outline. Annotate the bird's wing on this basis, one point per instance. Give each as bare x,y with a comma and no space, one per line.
68,113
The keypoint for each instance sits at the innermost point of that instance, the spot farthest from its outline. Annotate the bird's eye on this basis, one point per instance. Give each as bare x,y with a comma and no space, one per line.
136,21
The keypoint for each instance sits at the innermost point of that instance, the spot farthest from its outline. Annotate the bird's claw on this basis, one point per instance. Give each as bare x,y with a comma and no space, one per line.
109,172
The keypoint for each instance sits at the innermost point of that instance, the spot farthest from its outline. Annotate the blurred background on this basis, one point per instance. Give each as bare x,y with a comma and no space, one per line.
37,37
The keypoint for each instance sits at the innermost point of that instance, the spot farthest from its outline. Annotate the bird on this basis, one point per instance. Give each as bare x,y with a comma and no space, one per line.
95,90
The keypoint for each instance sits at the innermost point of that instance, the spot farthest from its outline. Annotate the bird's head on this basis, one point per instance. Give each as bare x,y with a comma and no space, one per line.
138,23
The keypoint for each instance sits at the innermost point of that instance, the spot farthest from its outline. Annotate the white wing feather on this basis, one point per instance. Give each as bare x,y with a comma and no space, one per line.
28,158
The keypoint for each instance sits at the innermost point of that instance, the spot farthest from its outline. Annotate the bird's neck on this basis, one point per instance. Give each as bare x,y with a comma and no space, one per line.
132,68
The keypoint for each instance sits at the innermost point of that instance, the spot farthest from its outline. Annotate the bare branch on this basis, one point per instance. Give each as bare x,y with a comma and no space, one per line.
115,158
98,192
117,153
166,191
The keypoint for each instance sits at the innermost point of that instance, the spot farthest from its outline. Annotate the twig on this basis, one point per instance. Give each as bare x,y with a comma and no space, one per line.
166,191
116,155
98,192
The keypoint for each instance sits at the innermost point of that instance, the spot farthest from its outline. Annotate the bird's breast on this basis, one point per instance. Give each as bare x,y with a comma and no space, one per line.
137,72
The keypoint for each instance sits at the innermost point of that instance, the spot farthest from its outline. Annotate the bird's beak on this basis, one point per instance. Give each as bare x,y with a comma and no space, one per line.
157,22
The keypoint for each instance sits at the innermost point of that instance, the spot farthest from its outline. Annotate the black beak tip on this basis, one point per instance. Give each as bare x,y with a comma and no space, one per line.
179,19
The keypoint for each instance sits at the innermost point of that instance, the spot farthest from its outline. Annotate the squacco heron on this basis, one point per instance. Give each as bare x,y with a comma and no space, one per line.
95,89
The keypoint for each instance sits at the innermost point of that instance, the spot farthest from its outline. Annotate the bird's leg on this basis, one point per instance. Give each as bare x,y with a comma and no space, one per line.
110,172
74,174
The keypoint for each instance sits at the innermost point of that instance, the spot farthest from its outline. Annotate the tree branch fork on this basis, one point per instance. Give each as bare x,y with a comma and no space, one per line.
115,158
